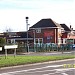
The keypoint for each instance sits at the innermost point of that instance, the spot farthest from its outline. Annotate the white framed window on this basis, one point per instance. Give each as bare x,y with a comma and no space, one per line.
64,41
38,30
39,40
13,41
36,40
62,30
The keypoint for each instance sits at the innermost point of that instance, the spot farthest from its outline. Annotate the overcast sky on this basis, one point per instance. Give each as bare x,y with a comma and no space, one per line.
13,12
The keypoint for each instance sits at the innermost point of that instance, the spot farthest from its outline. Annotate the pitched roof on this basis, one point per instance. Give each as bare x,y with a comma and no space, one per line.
46,23
66,28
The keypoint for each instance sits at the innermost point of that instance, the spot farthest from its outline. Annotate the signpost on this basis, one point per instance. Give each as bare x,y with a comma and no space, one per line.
10,47
0,48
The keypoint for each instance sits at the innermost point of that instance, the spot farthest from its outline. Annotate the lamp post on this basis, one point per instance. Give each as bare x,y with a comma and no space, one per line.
27,33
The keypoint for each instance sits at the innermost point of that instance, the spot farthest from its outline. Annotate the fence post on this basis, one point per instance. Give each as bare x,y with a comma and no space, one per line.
46,47
5,53
15,52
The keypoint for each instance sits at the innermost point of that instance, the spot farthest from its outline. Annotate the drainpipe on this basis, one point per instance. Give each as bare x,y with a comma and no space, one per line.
55,36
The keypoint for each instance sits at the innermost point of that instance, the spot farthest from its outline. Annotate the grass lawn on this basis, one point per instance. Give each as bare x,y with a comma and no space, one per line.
20,60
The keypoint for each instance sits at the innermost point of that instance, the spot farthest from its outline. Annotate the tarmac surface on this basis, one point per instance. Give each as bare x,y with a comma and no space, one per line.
61,67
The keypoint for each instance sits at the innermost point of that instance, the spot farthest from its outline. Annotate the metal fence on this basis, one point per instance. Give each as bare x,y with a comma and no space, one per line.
46,47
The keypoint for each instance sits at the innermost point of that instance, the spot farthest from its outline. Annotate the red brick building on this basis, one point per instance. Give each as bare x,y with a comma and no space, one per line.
46,31
68,37
64,36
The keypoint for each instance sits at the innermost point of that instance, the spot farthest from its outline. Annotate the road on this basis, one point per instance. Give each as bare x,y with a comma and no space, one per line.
66,67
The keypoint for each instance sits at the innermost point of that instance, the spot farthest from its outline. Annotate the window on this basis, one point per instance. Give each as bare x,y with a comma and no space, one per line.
36,41
62,30
39,40
38,30
13,41
9,41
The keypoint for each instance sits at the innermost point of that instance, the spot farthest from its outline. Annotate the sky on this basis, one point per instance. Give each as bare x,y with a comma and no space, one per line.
13,13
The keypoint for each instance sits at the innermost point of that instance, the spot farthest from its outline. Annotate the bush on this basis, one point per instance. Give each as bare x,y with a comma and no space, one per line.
2,41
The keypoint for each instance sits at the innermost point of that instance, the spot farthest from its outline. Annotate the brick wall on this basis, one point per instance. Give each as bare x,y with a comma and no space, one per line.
48,35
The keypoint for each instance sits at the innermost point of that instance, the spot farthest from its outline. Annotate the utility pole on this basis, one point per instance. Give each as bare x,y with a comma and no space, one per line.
27,33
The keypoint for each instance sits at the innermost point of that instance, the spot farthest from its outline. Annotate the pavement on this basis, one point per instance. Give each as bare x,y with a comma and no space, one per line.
46,68
43,53
47,53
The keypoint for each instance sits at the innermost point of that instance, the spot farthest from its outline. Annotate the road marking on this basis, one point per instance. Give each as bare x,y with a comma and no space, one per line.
5,74
60,71
42,71
64,73
56,70
31,69
67,52
65,69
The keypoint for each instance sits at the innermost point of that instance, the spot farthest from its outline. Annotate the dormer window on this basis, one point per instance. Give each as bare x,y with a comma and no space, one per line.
38,30
62,30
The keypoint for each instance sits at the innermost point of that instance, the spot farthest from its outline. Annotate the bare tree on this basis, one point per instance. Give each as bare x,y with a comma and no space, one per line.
9,30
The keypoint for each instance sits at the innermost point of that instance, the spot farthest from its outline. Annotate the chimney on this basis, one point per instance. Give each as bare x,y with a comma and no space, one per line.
70,26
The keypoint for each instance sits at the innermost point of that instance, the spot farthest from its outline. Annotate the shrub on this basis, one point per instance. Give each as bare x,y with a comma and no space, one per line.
2,41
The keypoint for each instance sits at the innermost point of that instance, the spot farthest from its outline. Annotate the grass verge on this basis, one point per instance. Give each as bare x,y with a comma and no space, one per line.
20,60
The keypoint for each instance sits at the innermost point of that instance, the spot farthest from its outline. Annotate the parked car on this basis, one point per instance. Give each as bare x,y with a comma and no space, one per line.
73,45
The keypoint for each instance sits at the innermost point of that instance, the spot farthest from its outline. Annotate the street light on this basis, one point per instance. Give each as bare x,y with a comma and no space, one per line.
27,33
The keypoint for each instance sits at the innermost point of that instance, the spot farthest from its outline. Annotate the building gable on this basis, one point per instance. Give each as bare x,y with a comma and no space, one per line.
46,23
66,28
